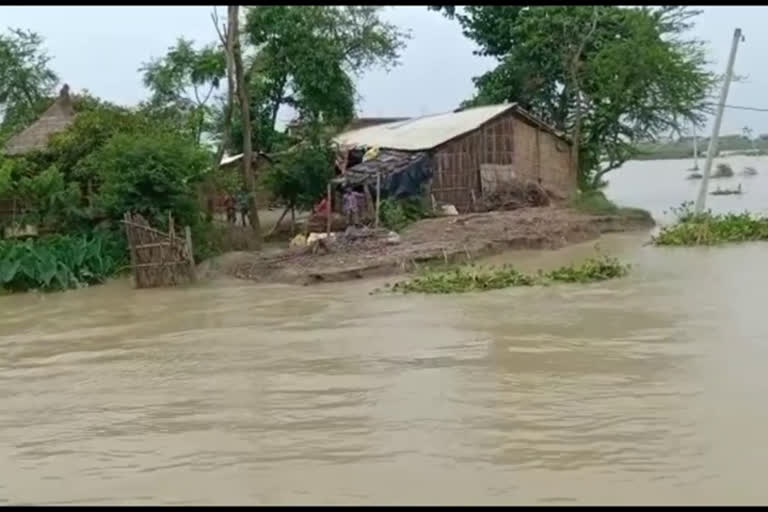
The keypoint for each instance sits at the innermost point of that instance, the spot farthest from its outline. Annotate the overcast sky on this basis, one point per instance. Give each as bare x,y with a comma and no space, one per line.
101,49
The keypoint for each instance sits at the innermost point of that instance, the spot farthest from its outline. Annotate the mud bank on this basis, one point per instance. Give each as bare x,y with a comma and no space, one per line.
449,239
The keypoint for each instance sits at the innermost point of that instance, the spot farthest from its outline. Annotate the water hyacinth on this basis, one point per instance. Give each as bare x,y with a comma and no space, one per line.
707,228
469,278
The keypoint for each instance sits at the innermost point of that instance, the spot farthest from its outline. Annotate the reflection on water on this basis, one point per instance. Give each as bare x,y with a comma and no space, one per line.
642,390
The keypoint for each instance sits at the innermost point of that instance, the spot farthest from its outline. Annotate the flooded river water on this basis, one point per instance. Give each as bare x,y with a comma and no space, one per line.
649,389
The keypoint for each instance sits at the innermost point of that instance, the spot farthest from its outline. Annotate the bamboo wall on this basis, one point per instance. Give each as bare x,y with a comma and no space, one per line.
507,140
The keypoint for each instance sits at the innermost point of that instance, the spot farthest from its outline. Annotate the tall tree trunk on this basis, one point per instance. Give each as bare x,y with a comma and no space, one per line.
242,94
576,87
226,129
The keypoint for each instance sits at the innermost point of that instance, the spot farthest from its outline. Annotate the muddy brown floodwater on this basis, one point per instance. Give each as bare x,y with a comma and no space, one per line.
649,389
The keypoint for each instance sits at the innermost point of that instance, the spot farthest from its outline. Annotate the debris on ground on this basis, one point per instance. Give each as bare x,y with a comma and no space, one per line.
448,209
514,195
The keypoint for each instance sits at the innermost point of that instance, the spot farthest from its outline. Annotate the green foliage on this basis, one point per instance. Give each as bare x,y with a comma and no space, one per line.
707,228
26,80
300,177
306,58
53,201
636,75
398,214
469,278
593,202
60,262
89,132
150,174
50,201
182,83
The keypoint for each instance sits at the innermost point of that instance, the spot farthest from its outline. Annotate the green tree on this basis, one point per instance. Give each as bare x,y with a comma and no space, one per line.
608,76
150,173
305,57
183,82
26,80
300,177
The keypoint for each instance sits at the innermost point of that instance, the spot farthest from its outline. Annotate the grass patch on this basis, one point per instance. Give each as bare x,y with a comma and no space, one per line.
594,202
707,228
471,278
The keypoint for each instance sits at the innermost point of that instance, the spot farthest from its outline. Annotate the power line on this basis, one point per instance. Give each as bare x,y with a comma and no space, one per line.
740,107
753,109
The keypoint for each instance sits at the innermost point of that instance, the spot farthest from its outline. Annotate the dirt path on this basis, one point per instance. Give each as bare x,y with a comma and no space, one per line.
452,239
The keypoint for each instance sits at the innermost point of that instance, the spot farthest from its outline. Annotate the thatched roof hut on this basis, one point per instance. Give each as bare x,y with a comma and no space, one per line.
54,120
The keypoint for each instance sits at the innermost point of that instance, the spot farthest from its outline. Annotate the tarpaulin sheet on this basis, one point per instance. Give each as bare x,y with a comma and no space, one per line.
402,173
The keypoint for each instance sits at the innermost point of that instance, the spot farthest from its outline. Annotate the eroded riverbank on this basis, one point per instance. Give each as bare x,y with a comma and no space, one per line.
450,239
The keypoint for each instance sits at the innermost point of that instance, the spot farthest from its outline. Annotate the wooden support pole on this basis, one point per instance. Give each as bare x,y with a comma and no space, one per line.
131,245
378,199
330,212
190,254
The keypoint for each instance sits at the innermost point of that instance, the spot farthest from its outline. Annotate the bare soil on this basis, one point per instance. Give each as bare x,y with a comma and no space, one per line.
451,239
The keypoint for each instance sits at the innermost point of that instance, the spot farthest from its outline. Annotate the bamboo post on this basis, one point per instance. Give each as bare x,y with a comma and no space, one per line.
330,212
369,201
378,199
131,248
190,254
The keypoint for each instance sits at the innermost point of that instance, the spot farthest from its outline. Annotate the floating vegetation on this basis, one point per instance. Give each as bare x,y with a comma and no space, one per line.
708,228
469,278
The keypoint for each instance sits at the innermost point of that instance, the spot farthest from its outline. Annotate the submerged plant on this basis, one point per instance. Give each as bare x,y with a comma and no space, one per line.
468,278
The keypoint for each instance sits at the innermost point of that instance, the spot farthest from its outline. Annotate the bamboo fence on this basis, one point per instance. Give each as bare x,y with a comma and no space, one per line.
158,258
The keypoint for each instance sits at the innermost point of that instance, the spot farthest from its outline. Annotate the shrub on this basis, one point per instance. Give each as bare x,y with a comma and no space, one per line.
58,262
151,174
396,214
300,178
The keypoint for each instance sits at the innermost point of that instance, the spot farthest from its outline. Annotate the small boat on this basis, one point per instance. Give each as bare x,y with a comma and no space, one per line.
749,171
726,191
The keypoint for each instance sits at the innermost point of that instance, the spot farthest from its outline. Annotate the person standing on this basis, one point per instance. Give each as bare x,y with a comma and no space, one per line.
242,205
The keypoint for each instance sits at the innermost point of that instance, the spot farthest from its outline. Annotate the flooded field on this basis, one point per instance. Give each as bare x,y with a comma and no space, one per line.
648,389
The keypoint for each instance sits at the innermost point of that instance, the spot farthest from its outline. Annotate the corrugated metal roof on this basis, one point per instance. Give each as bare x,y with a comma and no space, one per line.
423,133
228,159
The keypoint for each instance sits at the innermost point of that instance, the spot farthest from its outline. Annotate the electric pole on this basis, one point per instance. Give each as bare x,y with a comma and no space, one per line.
712,149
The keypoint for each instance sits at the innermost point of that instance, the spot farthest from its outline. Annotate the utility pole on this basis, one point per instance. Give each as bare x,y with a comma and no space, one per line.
701,200
695,150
